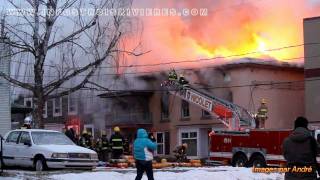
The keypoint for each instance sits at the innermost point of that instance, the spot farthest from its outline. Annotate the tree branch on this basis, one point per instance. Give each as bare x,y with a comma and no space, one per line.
16,82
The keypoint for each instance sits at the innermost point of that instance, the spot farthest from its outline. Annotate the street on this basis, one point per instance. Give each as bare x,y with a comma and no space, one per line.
223,172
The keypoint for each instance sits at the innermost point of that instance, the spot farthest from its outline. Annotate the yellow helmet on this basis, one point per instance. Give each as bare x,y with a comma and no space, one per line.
84,132
263,101
185,144
116,129
103,133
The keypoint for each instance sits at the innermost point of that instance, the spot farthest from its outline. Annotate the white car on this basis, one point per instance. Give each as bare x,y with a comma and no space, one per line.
42,149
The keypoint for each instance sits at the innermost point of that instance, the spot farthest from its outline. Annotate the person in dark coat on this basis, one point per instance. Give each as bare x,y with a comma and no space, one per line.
116,143
70,134
300,149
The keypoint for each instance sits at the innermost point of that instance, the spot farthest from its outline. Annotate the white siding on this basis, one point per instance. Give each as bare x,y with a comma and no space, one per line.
5,107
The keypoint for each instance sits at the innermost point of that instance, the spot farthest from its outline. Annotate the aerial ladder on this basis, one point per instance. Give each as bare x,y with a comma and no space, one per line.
233,116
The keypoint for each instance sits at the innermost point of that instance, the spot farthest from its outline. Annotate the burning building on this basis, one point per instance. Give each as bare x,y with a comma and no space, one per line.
174,121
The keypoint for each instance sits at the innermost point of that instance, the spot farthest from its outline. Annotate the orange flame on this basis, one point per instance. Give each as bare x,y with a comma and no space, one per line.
245,28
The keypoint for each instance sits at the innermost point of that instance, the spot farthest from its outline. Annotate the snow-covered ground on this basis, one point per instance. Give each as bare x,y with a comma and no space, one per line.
225,173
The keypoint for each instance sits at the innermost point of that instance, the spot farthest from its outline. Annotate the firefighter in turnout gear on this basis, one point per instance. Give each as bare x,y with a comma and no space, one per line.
85,140
103,148
116,143
262,114
173,75
181,152
182,81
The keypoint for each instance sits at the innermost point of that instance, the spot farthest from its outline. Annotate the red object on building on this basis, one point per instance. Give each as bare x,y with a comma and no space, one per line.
222,111
75,123
252,148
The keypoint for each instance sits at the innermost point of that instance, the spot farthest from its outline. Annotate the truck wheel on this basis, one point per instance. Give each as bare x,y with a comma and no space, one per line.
258,161
239,160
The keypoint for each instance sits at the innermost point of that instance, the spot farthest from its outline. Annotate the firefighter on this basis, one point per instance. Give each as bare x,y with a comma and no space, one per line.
90,141
126,146
27,123
183,81
103,147
84,140
116,143
181,152
173,75
262,114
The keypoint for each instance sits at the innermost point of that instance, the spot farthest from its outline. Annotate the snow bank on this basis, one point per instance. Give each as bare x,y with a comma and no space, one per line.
226,173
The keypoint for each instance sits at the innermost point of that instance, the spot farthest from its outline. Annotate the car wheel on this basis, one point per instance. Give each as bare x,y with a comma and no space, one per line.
239,160
258,161
40,164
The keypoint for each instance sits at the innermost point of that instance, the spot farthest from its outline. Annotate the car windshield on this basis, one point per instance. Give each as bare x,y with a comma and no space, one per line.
46,138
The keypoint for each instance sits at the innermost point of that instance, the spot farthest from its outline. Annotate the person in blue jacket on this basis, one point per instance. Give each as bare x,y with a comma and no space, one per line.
142,150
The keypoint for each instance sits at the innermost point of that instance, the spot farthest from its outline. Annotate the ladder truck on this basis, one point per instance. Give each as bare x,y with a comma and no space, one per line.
241,144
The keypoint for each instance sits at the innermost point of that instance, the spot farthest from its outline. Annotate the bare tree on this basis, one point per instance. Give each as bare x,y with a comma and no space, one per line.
39,30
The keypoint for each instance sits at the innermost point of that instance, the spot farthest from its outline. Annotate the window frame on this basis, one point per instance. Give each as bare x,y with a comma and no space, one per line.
25,100
54,107
183,103
45,110
75,105
167,97
189,137
163,143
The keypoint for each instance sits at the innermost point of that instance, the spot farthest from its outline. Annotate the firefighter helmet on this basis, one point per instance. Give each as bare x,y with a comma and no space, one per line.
103,133
263,101
185,145
28,120
116,129
84,132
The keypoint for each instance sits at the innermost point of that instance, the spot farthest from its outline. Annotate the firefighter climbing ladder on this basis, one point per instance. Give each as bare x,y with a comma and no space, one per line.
230,114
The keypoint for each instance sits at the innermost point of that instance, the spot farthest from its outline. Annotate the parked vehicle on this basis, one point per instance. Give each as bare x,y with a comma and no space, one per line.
256,147
43,149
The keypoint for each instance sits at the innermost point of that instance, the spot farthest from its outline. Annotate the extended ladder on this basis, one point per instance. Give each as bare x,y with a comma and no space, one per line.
230,114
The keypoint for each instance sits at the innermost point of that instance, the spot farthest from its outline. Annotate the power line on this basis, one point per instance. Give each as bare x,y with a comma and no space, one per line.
198,60
181,69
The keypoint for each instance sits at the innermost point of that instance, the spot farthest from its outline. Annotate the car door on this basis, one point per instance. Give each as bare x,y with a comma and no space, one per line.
9,148
24,150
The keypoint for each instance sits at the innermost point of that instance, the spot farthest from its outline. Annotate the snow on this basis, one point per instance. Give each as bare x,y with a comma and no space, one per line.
226,173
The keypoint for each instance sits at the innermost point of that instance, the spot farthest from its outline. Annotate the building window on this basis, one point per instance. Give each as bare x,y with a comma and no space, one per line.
28,102
57,107
205,114
72,104
165,106
163,143
185,113
160,143
45,110
190,138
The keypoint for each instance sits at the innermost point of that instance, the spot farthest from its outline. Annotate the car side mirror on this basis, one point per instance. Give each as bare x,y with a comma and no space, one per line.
27,143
